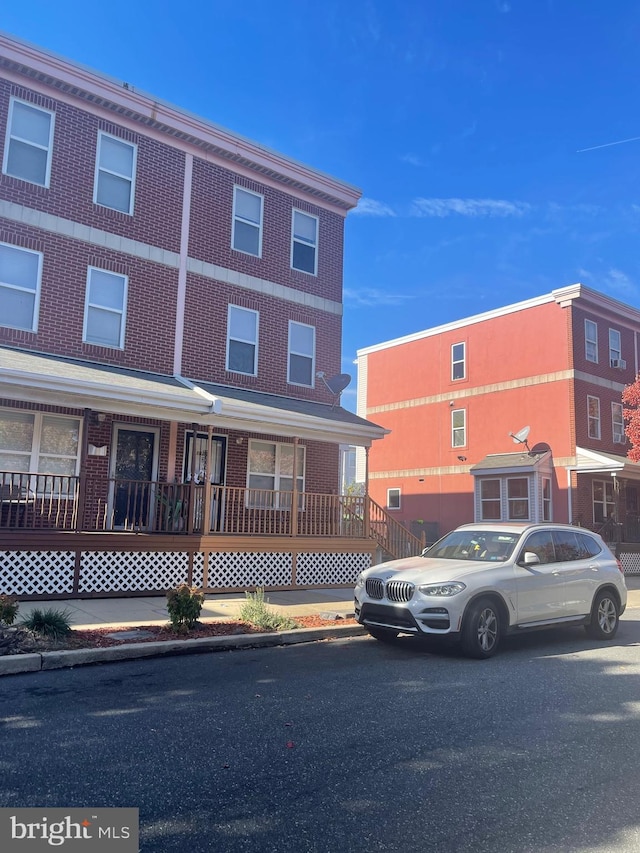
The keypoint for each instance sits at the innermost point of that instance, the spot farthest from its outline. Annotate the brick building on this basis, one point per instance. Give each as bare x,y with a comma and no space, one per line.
459,398
171,299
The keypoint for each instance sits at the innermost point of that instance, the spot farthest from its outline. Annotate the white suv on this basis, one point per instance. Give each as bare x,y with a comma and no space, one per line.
482,581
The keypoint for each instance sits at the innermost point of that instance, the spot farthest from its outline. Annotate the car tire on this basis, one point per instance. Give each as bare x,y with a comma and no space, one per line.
605,617
481,629
384,635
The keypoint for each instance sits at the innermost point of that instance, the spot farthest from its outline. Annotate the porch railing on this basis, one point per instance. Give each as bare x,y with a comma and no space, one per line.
38,501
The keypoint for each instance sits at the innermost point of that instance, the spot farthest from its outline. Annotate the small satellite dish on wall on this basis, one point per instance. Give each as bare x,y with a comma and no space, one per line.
521,436
336,384
540,447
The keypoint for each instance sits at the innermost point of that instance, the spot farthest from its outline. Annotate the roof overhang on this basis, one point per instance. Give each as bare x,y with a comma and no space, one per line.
593,462
512,463
54,381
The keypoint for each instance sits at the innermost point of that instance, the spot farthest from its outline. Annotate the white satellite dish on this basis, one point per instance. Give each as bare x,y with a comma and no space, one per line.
521,436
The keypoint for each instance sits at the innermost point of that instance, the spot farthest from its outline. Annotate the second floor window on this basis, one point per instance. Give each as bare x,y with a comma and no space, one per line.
617,423
105,308
458,366
304,242
615,348
591,341
302,346
20,274
242,340
247,222
458,428
28,145
593,416
115,173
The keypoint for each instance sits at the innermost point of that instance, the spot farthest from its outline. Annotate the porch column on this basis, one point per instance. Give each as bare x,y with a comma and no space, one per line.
192,485
367,509
206,504
82,482
294,493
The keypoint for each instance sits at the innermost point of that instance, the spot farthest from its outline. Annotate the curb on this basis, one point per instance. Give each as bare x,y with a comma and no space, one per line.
15,664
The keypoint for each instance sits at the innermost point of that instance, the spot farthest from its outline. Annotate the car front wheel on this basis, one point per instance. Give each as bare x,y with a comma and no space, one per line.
482,630
605,617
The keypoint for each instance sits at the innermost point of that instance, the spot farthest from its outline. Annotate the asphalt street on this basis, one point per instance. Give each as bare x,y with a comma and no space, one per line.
345,745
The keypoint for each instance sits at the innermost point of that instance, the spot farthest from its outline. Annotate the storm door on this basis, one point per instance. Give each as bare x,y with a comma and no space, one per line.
133,473
217,477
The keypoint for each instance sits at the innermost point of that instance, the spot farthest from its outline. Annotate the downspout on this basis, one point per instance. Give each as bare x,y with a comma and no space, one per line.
181,296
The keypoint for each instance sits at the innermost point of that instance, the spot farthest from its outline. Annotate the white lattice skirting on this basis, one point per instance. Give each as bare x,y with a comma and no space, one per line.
630,563
330,569
132,571
36,572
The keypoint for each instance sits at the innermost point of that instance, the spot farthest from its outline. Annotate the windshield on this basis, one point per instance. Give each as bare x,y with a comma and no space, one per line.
474,545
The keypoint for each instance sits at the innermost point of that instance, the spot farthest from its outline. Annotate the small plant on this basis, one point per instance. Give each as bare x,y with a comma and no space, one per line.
184,605
8,609
54,624
256,611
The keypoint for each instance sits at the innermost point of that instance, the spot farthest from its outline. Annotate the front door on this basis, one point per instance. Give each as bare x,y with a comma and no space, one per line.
133,472
217,478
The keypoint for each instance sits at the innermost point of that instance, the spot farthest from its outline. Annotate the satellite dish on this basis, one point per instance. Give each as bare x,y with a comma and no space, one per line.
540,447
336,384
521,436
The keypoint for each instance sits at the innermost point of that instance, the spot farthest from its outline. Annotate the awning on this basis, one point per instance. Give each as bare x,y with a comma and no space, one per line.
597,462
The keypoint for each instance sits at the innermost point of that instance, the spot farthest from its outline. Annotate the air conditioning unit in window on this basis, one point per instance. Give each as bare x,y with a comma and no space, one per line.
620,363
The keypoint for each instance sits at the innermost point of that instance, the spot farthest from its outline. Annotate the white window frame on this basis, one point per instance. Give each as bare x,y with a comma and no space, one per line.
278,476
547,499
591,339
230,310
456,361
455,430
510,499
608,501
134,163
291,352
592,419
9,136
394,498
617,423
122,312
304,242
615,346
235,218
490,500
36,292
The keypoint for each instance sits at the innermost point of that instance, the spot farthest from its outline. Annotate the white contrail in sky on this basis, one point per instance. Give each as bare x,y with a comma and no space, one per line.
608,144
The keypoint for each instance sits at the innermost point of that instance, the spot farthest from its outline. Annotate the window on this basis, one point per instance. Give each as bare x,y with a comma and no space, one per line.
304,242
29,142
34,443
518,498
458,361
540,543
546,499
593,416
615,348
393,498
242,340
617,423
302,354
115,173
591,341
458,428
603,502
270,472
105,308
20,274
490,499
247,222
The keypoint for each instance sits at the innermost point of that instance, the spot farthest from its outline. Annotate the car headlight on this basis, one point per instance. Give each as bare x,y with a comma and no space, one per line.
442,589
360,580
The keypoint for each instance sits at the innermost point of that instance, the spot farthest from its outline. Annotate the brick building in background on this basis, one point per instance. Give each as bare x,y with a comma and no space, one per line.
454,397
169,294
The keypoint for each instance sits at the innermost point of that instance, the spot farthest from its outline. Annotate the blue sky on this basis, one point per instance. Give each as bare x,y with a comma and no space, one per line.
464,122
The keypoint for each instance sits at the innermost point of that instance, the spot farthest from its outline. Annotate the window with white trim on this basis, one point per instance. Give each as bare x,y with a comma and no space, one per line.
617,423
105,308
593,416
115,173
37,443
393,498
604,505
242,340
28,143
304,242
458,427
458,366
490,506
247,222
546,499
518,498
270,473
302,354
20,276
591,341
615,348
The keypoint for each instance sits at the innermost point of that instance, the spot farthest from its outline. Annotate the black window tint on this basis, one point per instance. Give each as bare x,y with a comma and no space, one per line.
540,543
567,546
588,545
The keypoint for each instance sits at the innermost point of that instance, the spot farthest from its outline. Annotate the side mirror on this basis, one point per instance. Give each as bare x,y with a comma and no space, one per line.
530,559
425,551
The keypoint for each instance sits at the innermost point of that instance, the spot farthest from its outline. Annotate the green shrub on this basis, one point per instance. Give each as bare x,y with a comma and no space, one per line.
8,609
184,605
54,624
256,611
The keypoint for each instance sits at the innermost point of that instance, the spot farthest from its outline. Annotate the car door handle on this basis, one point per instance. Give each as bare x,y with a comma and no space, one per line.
594,568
